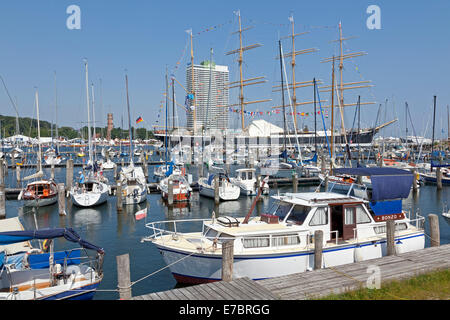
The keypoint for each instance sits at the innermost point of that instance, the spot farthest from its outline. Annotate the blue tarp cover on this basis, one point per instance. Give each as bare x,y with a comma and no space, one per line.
68,233
387,183
41,261
386,207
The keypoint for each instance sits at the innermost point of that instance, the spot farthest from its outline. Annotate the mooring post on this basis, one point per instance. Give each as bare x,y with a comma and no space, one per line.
294,182
414,171
119,203
123,276
434,230
438,178
2,191
227,260
61,199
170,192
145,163
69,174
318,246
18,176
390,237
326,183
52,171
216,190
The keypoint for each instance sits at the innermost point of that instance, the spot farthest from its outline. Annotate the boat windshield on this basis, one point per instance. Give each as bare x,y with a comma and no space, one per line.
298,214
282,210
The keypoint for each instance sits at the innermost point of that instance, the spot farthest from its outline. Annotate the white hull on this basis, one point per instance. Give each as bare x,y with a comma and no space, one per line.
208,267
131,197
89,199
230,192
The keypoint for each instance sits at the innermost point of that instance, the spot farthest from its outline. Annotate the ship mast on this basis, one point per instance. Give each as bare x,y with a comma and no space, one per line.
194,111
243,82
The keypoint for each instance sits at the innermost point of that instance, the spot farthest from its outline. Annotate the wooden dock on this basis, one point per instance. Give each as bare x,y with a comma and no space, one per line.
317,283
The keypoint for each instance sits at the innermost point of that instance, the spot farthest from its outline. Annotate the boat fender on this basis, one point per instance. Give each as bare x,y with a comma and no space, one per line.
358,254
20,195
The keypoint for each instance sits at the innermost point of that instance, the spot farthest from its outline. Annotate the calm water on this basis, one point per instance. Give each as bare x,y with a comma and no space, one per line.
120,233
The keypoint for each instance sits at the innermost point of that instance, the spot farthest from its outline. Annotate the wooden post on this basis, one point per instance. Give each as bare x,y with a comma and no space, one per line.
119,195
2,191
216,190
434,230
326,183
227,260
322,163
318,246
145,163
18,176
415,189
123,276
52,171
438,178
390,237
61,199
115,172
69,174
294,182
170,192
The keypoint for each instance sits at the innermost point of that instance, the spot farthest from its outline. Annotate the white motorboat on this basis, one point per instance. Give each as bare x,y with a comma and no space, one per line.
39,193
281,243
227,190
181,188
134,184
246,180
91,192
108,165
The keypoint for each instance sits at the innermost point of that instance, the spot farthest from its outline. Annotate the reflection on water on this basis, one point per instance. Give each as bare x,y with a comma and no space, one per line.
86,217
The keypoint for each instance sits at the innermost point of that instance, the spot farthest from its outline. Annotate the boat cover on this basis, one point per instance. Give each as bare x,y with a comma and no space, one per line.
68,233
387,183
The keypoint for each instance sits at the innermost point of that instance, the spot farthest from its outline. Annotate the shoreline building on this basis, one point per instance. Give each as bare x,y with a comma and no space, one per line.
211,97
110,126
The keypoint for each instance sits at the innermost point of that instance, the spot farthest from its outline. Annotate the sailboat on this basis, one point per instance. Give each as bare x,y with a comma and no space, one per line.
40,192
132,178
93,190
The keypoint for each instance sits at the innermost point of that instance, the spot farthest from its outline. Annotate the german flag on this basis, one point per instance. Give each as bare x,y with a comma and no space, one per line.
138,120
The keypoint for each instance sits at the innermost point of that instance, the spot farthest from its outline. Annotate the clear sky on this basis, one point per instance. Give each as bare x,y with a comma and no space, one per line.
407,58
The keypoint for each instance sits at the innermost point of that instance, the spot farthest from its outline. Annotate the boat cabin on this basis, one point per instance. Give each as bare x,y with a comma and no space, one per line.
246,174
40,189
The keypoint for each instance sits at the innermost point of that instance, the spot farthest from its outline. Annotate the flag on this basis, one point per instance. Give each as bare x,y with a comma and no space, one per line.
141,214
138,120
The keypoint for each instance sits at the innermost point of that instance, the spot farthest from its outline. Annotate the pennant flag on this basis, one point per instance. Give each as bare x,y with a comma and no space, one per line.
138,120
141,214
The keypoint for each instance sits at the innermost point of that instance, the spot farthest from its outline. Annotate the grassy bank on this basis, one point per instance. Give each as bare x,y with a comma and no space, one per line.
430,286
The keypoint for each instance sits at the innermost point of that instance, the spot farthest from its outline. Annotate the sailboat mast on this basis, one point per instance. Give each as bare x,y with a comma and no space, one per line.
129,122
434,121
39,133
88,110
194,111
315,118
56,111
332,111
282,99
93,120
294,97
341,68
241,79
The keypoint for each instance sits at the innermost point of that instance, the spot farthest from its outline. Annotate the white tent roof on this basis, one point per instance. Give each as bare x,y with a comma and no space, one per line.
260,128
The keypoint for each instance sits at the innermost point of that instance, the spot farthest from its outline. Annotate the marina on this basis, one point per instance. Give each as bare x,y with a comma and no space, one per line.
280,173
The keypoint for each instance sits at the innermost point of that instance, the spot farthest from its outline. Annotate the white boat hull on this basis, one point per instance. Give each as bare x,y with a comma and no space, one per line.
225,194
200,268
89,199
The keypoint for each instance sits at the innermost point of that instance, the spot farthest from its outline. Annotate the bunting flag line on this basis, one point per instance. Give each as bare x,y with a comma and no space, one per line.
262,113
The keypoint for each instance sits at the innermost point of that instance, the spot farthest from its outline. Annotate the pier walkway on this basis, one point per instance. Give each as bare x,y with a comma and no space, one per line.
317,283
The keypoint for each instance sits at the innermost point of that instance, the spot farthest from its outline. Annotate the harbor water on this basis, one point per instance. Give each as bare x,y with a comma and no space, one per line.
120,233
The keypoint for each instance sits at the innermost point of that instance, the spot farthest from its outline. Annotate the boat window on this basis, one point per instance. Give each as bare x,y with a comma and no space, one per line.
361,215
211,234
256,242
282,210
285,240
243,176
320,217
298,214
250,175
398,227
349,215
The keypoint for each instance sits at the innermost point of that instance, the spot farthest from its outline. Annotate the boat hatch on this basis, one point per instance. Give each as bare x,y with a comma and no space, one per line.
227,221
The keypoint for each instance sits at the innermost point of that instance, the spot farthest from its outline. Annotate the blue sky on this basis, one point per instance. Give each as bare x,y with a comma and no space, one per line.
407,58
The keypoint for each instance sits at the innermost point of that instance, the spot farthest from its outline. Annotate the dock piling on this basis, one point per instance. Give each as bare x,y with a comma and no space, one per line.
216,190
434,230
294,182
2,191
123,276
318,246
170,192
227,260
61,199
390,237
119,203
69,174
18,176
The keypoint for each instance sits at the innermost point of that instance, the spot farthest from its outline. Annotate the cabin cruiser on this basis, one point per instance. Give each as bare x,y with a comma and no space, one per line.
134,184
277,168
281,242
181,188
227,190
166,170
246,180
